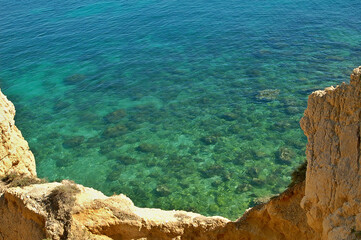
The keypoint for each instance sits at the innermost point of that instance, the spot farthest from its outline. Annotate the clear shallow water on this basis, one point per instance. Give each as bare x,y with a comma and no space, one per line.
207,95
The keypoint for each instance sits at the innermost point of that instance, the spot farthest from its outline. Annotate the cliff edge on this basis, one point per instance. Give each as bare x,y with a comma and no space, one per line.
324,206
15,155
332,123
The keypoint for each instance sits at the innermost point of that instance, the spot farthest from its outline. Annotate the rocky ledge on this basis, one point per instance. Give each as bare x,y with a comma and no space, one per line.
324,206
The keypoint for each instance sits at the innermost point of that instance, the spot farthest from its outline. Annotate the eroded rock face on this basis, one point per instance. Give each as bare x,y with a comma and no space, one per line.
91,215
15,155
282,218
332,123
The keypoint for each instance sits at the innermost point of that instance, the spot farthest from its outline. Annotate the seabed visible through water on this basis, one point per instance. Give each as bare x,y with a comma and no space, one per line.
186,105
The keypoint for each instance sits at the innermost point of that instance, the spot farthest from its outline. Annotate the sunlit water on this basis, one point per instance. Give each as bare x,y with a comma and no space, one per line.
191,105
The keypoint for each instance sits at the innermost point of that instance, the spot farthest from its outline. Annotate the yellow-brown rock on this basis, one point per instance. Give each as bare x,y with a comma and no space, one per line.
333,184
280,219
15,155
94,216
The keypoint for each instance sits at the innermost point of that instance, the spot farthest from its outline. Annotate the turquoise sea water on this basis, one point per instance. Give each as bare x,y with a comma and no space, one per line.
191,105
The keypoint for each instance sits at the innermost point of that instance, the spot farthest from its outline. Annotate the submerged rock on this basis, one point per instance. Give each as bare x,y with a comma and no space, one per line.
147,148
115,116
74,79
259,153
285,155
64,161
73,141
217,182
60,105
229,116
268,94
281,125
113,176
110,147
216,170
243,187
93,141
126,160
145,113
257,182
253,172
209,140
293,110
132,126
162,190
88,116
115,131
235,129
253,73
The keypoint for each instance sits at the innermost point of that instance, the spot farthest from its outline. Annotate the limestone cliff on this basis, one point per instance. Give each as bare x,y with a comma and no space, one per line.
47,211
332,125
15,155
325,206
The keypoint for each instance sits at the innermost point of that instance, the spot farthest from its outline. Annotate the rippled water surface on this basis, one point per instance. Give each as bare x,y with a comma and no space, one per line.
191,105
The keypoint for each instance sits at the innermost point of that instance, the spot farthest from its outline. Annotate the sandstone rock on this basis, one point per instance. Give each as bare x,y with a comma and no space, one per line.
332,123
15,155
279,219
92,215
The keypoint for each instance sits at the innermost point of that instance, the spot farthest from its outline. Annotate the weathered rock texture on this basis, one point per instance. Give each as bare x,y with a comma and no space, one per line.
333,184
325,206
91,215
15,155
281,218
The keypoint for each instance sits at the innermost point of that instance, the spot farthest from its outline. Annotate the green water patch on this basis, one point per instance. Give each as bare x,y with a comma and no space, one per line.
212,147
216,146
179,105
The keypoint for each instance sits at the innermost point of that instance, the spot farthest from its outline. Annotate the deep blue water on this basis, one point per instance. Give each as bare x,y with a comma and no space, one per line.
189,105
